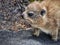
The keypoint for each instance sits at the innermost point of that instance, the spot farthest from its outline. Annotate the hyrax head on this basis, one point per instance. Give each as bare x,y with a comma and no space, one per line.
35,14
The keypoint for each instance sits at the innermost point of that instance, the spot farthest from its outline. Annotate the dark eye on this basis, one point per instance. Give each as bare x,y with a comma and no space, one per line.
42,12
30,14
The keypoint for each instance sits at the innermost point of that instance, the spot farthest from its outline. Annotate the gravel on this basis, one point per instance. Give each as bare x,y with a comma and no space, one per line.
10,13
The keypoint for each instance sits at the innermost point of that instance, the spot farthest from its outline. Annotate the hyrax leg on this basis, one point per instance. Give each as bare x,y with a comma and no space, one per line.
55,35
36,32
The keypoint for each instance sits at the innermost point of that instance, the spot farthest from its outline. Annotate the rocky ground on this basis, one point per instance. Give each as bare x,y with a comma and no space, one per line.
25,38
10,14
11,21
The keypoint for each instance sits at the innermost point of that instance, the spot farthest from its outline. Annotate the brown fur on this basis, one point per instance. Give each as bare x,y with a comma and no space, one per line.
50,22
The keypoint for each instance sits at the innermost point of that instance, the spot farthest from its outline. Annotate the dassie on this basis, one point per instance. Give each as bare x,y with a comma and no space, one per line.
45,16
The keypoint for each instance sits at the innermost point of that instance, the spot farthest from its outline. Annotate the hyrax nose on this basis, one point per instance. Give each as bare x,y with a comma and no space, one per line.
22,16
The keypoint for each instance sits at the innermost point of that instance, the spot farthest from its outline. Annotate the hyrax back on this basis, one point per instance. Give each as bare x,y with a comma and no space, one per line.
44,15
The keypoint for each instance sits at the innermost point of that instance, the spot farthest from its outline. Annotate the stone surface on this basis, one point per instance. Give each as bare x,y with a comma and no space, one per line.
25,38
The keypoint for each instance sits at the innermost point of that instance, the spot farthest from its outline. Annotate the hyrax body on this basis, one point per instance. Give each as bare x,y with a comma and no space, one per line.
45,16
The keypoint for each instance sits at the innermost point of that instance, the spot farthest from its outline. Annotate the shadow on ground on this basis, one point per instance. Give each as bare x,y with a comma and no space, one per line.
25,38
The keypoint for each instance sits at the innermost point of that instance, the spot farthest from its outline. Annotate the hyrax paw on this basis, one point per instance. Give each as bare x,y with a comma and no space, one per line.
36,34
54,39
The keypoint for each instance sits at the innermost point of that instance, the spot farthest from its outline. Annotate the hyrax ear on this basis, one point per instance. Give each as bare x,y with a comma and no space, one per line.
45,16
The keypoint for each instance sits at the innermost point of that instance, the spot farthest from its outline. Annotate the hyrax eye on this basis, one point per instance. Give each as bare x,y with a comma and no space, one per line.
42,12
30,14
